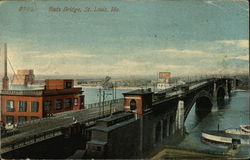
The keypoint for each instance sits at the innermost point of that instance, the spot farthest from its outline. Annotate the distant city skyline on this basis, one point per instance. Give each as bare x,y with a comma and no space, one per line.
141,39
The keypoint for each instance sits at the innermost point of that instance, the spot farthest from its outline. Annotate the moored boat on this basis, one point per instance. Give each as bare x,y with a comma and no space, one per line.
228,136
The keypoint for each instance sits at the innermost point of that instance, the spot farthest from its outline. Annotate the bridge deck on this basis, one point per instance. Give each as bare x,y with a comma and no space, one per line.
50,127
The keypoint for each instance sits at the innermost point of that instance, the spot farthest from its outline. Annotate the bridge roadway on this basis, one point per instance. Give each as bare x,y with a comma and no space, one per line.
173,93
41,129
45,128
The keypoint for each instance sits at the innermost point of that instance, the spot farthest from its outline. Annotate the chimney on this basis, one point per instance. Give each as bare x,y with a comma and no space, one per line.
5,78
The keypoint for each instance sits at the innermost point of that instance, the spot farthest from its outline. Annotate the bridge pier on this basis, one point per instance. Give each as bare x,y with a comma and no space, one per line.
161,138
215,92
168,126
226,90
180,117
215,105
233,83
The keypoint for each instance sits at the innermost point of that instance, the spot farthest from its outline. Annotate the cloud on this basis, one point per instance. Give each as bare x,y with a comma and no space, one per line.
237,43
130,63
65,55
168,67
184,53
243,44
246,57
32,52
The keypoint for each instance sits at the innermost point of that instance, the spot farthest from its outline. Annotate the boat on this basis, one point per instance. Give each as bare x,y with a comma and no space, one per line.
240,135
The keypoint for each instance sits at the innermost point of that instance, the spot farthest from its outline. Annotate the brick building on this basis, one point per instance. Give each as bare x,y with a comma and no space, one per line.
57,96
138,101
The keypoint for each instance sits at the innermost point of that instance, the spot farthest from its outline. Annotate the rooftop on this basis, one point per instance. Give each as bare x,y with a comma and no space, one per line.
115,116
41,92
109,128
140,92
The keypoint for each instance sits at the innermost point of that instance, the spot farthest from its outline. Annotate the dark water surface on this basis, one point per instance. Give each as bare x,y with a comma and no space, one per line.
232,113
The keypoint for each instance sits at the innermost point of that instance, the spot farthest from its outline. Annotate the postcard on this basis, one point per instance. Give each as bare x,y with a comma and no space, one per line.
157,79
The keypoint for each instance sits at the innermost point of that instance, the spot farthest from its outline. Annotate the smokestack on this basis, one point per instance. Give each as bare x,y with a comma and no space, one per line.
5,78
5,59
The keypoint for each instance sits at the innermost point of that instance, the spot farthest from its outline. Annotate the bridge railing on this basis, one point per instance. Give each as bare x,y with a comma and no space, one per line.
26,125
98,104
34,137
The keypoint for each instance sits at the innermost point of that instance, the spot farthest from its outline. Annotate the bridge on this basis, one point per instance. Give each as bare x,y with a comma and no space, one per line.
166,116
35,131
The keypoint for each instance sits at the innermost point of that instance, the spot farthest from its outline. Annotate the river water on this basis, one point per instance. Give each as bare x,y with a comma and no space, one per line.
92,94
232,113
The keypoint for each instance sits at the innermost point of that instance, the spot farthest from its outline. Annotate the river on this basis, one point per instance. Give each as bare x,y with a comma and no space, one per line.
230,114
92,94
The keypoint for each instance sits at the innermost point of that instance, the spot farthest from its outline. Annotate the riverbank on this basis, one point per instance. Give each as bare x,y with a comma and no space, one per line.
121,87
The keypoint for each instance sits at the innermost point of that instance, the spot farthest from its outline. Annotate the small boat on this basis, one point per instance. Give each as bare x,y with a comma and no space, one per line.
228,136
245,128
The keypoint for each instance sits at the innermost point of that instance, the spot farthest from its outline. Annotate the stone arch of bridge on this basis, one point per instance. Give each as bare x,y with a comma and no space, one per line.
221,92
203,101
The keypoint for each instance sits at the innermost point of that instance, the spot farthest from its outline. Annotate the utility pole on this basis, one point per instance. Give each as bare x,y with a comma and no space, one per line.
111,109
100,99
115,90
103,99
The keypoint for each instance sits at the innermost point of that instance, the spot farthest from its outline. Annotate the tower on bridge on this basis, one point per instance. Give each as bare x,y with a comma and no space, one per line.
138,101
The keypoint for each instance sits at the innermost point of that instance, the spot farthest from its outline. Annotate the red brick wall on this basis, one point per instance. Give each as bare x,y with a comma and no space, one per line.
56,83
62,97
28,114
138,100
16,112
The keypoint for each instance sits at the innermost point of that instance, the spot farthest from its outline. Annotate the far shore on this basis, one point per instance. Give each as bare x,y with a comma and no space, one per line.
121,87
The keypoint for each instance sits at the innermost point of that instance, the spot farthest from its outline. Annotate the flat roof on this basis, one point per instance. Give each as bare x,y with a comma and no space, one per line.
139,91
97,142
42,92
115,116
112,127
22,92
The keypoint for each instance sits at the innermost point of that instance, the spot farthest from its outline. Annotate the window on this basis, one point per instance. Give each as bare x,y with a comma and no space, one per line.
34,118
22,106
10,106
68,84
99,148
132,104
58,104
46,105
67,103
10,119
75,101
34,106
21,119
82,101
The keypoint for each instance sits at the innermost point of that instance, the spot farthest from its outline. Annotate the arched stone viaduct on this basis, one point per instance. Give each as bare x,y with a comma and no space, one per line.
165,119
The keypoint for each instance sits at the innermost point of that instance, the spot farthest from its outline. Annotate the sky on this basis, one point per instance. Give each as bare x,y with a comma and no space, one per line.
141,38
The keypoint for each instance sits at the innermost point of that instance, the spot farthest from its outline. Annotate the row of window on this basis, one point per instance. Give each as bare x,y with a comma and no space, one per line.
59,105
21,119
22,106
